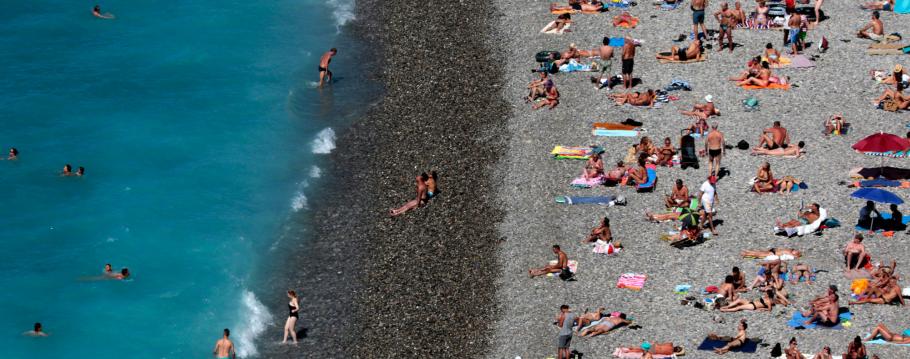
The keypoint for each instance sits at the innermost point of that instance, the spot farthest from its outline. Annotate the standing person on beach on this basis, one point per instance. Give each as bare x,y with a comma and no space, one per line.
714,144
606,59
727,20
290,326
628,61
224,347
565,321
324,73
709,201
698,18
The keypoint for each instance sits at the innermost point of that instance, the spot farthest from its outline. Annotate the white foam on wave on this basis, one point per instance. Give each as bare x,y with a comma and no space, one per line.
315,172
299,201
342,12
255,319
325,141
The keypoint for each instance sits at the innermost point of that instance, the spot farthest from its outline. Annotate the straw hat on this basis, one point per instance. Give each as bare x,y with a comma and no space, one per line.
709,98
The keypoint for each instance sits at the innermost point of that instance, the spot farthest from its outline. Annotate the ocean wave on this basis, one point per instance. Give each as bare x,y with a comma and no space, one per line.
342,12
325,141
299,201
255,321
315,172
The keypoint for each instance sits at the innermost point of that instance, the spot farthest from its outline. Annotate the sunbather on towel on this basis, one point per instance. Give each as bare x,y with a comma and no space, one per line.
892,337
617,173
703,111
777,253
639,174
896,95
874,30
606,325
654,348
680,54
624,19
679,197
562,261
665,153
552,99
834,125
732,342
578,5
753,67
635,98
771,54
887,5
791,151
764,179
855,253
594,167
763,79
883,289
800,271
894,77
558,26
824,309
538,88
585,319
601,232
856,349
763,304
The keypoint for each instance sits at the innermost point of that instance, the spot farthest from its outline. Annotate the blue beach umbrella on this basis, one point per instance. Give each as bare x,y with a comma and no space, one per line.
877,195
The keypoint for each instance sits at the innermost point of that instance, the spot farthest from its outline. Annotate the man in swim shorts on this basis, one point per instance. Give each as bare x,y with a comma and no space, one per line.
714,144
793,25
628,61
224,347
883,6
727,20
605,62
324,73
874,30
698,18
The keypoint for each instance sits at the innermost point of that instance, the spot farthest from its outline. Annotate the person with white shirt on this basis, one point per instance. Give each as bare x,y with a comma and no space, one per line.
708,198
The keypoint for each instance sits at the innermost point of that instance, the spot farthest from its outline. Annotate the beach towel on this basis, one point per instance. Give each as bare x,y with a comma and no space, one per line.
625,353
885,216
879,341
887,172
667,7
582,182
574,66
652,179
769,87
608,200
776,187
902,6
555,31
805,229
614,126
796,62
700,58
797,321
750,346
574,152
630,24
617,41
887,49
631,281
614,133
573,267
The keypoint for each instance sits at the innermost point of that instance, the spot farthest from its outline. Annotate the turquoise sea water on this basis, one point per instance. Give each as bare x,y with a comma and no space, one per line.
201,133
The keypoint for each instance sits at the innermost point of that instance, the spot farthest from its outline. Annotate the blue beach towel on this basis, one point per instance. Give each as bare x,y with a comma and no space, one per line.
885,216
614,133
750,346
902,6
617,41
669,7
798,320
585,200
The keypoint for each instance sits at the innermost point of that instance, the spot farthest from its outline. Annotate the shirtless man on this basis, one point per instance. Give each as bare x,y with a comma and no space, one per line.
420,200
635,98
714,144
792,351
887,5
780,253
224,347
562,261
811,214
36,331
874,30
793,25
727,19
679,54
587,318
855,253
679,197
606,324
628,61
740,14
552,97
703,111
606,60
665,153
790,151
537,88
824,309
734,342
774,137
727,290
698,18
324,73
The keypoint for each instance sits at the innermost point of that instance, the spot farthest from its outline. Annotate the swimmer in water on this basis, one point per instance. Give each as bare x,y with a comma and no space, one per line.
81,171
67,170
124,274
37,332
13,154
324,73
109,271
96,11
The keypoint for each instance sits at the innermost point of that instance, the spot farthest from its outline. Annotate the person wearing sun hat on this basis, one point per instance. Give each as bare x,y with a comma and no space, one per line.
703,111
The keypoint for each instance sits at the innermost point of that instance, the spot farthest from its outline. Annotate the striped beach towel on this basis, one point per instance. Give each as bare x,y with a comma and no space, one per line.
631,281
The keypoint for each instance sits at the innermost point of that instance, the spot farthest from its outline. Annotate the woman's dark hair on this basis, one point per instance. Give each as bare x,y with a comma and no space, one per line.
606,41
424,176
606,221
765,64
800,144
728,279
735,269
14,151
433,174
857,341
792,340
769,46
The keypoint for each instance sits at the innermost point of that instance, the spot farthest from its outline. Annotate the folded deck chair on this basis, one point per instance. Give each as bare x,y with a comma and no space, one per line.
805,229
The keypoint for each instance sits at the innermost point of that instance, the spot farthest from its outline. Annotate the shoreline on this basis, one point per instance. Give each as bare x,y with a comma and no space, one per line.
422,284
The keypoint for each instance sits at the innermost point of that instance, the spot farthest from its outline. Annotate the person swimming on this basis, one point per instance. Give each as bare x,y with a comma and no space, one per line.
123,275
13,154
67,170
36,332
80,172
96,11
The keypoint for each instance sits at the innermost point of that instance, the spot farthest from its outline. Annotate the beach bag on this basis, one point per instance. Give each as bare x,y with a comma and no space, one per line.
742,145
777,352
750,104
566,274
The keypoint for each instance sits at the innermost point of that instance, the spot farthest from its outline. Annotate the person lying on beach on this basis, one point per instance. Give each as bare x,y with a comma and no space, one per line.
586,318
874,30
775,253
594,167
703,111
771,54
763,304
635,98
834,125
552,97
578,5
562,261
601,232
791,151
624,19
893,77
558,26
654,348
823,309
764,179
617,173
855,253
734,342
800,271
753,67
764,77
856,349
774,137
538,88
891,337
683,54
884,291
96,12
606,325
420,200
665,153
887,5
679,195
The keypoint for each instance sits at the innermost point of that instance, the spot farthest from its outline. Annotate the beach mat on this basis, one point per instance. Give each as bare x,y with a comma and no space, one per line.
750,346
769,87
700,58
614,133
797,321
795,62
602,200
574,152
631,281
617,41
614,126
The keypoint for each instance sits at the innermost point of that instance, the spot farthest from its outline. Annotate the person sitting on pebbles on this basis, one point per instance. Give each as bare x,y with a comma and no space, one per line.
538,88
665,153
703,111
601,232
552,97
679,197
562,261
874,30
732,342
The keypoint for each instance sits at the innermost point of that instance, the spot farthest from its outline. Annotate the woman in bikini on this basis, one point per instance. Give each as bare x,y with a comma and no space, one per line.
665,153
732,343
594,167
856,349
764,180
763,304
639,174
887,335
761,16
772,54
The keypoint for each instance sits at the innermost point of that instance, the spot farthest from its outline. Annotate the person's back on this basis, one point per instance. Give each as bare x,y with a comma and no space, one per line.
698,4
224,347
877,27
714,140
567,322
